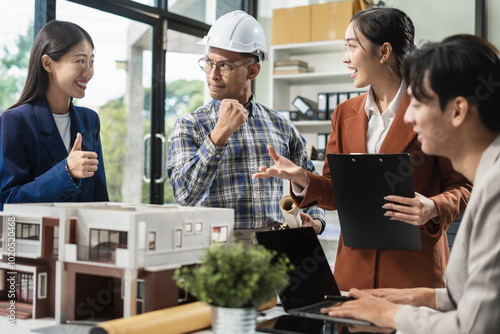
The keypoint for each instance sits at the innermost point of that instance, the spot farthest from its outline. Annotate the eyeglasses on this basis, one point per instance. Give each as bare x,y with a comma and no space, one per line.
223,68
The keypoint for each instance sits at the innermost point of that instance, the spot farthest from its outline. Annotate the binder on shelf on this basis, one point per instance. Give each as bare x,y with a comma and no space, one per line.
343,97
332,104
298,116
306,107
284,113
322,106
322,139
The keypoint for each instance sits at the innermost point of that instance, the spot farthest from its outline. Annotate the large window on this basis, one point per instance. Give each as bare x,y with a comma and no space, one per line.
146,76
185,84
16,39
120,92
203,10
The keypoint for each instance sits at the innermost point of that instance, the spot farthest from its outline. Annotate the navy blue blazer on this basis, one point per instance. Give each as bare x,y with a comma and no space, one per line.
33,160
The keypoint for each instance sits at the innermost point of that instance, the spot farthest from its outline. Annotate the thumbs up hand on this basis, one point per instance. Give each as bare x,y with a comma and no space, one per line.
81,164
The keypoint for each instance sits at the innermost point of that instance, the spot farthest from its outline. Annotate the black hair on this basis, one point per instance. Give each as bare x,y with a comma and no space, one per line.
461,65
55,39
380,25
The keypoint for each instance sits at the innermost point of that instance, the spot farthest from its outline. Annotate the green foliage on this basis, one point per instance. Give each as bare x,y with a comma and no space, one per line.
113,118
235,276
183,96
13,69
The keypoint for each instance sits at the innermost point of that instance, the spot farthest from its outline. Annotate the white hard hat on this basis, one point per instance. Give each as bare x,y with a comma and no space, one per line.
238,32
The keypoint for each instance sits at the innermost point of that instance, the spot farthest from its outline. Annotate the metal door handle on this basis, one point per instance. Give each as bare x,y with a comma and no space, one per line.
144,171
163,175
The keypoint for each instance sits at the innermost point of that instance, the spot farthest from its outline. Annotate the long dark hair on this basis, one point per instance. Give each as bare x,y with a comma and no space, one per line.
55,39
382,24
461,65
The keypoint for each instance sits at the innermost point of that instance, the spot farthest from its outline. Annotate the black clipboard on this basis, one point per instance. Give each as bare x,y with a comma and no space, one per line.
360,182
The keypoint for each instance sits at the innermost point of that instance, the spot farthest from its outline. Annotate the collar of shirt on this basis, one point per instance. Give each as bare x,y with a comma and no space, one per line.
250,106
371,105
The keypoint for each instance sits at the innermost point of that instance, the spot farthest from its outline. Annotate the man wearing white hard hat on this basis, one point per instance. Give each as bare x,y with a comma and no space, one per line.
215,150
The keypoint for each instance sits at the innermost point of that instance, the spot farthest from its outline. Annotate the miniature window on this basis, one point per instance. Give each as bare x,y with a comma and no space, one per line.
55,244
177,238
188,228
198,228
219,234
3,221
140,290
24,287
151,240
27,231
104,242
42,285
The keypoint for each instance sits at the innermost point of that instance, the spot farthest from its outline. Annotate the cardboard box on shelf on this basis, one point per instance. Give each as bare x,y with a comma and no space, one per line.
329,21
291,25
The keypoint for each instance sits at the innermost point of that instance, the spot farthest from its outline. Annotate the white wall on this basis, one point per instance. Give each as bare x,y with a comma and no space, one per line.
492,22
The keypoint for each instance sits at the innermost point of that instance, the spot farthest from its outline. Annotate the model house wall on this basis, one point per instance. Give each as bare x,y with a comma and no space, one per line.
104,260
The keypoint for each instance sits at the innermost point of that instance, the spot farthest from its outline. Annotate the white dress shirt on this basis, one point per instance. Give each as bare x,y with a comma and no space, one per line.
63,123
379,123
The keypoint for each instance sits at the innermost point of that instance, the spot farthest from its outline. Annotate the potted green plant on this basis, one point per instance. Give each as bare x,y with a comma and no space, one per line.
235,281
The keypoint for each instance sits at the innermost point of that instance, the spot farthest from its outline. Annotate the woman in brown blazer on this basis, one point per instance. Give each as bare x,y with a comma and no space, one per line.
377,40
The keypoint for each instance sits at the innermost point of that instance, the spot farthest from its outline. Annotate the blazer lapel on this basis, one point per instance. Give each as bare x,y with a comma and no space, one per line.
50,135
356,126
77,126
400,135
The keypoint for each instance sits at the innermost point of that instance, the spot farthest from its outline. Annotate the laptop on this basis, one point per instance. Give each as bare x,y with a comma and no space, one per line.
311,278
360,182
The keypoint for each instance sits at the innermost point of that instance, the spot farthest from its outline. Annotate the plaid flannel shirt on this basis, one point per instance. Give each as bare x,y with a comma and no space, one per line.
202,174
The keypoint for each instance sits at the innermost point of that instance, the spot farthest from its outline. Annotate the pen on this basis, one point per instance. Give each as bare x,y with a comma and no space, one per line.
339,298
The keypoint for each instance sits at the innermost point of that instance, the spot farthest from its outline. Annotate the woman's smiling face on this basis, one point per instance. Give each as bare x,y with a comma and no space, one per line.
70,74
359,58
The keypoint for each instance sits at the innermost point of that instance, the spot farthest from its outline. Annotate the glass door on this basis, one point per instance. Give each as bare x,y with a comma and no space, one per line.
24,288
120,92
16,39
185,84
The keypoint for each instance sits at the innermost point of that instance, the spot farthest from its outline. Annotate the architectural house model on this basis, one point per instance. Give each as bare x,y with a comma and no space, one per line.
99,261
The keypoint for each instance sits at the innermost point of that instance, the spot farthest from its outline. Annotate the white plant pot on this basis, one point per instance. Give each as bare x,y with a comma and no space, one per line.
234,320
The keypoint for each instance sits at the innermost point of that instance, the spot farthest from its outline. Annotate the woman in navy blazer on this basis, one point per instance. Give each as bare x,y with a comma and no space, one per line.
51,149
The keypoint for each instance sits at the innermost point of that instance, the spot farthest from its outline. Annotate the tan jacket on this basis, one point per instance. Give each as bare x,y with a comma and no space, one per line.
433,177
470,302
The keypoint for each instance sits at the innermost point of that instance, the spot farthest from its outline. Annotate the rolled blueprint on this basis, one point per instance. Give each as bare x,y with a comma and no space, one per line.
185,318
181,319
290,212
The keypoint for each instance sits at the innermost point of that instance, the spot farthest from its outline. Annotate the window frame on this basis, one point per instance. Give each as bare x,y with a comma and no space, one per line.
160,19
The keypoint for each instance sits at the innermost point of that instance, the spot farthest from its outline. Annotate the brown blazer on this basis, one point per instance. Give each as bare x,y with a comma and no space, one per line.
433,177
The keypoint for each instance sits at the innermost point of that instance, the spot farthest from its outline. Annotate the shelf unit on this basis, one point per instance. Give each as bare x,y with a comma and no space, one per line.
326,73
